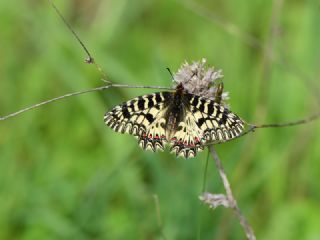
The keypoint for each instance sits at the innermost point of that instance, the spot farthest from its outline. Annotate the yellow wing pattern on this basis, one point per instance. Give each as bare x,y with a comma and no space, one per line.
200,121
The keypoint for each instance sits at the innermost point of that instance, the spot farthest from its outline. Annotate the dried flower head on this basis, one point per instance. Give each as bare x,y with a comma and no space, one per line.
197,79
215,200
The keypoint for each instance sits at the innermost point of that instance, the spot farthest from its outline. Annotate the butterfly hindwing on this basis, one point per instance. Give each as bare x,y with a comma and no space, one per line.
154,137
187,140
142,117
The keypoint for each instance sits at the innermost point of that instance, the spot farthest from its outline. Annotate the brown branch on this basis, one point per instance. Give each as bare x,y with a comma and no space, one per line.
215,200
253,127
89,59
79,93
288,124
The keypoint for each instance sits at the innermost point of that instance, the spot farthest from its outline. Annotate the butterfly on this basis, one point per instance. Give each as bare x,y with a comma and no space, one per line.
184,121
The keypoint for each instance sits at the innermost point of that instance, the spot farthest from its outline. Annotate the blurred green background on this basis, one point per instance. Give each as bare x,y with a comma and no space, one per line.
65,175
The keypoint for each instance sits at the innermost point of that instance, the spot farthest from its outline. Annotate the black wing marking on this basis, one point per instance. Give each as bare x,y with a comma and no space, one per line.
187,140
217,123
204,121
142,117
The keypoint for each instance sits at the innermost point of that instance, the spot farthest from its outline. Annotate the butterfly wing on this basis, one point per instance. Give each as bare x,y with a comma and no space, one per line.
217,123
205,121
142,117
188,137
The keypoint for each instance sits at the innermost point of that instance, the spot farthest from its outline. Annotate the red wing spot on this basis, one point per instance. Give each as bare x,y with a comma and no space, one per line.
174,139
157,136
185,142
150,135
196,139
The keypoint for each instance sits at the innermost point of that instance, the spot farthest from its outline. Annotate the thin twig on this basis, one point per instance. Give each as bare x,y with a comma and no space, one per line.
231,200
89,59
71,30
289,124
253,127
79,93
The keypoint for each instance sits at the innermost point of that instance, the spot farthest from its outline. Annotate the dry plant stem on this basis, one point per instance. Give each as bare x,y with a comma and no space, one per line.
253,127
232,201
89,58
79,93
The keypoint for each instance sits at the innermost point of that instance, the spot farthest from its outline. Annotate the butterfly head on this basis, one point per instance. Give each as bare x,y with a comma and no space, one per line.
180,89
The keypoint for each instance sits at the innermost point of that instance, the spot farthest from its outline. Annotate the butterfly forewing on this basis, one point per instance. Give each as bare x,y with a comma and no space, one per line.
142,117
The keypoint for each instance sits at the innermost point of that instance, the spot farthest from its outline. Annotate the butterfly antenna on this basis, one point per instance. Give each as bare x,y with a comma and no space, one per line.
89,59
170,73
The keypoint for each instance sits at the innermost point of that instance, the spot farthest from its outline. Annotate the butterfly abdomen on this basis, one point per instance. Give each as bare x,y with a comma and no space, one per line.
174,113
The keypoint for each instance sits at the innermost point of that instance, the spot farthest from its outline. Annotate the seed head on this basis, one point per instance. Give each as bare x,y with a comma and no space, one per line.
200,80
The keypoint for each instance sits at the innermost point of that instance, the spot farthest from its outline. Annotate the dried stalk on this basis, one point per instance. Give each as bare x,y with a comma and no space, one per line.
79,93
215,200
253,127
89,58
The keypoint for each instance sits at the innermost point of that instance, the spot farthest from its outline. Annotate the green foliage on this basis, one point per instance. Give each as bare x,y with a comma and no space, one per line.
65,175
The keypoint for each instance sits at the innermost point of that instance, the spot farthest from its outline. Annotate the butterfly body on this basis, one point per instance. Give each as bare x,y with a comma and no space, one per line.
181,120
174,113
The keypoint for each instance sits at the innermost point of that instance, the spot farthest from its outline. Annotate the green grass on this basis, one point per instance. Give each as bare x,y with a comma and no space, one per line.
65,175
